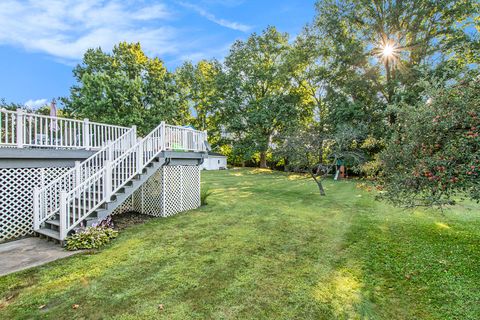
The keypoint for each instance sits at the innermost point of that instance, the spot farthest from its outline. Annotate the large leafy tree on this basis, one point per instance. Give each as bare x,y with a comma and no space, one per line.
125,87
434,155
260,97
375,52
199,86
363,60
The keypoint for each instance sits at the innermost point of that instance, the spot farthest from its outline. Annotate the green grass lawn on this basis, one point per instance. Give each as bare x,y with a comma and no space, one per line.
268,246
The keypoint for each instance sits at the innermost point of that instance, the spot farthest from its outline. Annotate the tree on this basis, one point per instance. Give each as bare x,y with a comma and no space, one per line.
12,106
199,86
124,87
434,154
260,97
310,150
375,51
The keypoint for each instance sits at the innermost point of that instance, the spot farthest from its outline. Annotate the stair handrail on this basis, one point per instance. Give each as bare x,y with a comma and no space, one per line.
46,199
80,202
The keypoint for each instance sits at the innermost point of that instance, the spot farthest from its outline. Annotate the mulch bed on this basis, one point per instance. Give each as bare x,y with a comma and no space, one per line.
127,219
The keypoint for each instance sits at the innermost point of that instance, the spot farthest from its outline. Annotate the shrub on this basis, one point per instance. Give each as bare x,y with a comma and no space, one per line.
90,238
204,194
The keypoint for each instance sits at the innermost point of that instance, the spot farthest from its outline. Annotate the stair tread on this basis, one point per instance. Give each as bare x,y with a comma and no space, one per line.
55,222
49,233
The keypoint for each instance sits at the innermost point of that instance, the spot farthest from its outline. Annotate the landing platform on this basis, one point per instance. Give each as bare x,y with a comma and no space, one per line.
27,253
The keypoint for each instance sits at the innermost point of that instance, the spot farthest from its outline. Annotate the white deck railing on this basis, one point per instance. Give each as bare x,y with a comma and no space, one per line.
80,202
19,129
185,139
47,199
82,190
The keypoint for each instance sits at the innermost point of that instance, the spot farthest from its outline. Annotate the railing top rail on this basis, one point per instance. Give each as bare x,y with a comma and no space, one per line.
183,128
29,114
8,111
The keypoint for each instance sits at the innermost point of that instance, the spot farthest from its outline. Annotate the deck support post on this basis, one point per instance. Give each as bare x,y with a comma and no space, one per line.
20,128
86,134
78,176
63,215
205,139
162,133
109,150
140,156
107,185
134,132
36,208
185,140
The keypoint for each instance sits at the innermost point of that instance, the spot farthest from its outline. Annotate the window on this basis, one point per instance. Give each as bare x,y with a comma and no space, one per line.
219,161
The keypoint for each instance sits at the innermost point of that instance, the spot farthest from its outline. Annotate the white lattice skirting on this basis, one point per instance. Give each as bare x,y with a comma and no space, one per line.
16,198
180,183
182,192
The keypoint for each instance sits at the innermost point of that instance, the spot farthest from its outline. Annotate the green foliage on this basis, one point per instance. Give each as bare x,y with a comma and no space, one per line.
354,83
310,150
12,106
434,154
204,194
126,88
333,76
199,86
90,238
260,97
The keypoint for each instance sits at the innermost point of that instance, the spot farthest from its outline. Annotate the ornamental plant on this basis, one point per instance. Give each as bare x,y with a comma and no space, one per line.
90,238
433,157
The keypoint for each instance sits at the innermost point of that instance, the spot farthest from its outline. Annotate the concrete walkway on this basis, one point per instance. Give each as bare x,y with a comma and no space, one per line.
30,252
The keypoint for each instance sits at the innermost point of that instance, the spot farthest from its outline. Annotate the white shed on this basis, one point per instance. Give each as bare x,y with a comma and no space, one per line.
214,161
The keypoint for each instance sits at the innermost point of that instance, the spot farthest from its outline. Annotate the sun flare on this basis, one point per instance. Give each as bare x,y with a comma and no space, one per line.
387,50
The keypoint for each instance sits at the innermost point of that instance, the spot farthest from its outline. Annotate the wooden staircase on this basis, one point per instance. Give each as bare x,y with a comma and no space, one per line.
51,227
92,190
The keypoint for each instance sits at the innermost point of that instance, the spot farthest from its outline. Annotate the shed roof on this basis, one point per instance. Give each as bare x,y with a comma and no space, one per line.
216,154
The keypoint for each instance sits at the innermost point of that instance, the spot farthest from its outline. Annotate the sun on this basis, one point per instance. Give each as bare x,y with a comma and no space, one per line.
388,50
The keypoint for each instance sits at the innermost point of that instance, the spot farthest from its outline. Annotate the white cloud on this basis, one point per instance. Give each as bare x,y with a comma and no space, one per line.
35,104
222,22
67,28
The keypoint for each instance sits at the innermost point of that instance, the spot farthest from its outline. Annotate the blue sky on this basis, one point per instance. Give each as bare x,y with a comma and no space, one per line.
42,40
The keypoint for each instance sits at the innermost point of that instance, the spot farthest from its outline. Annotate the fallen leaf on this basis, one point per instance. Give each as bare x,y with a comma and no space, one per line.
160,307
42,306
75,306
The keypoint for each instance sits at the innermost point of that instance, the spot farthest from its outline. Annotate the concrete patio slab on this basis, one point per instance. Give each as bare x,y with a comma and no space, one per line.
29,252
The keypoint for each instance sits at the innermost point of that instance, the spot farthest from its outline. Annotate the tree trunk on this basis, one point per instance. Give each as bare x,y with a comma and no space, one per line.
320,188
319,184
263,159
